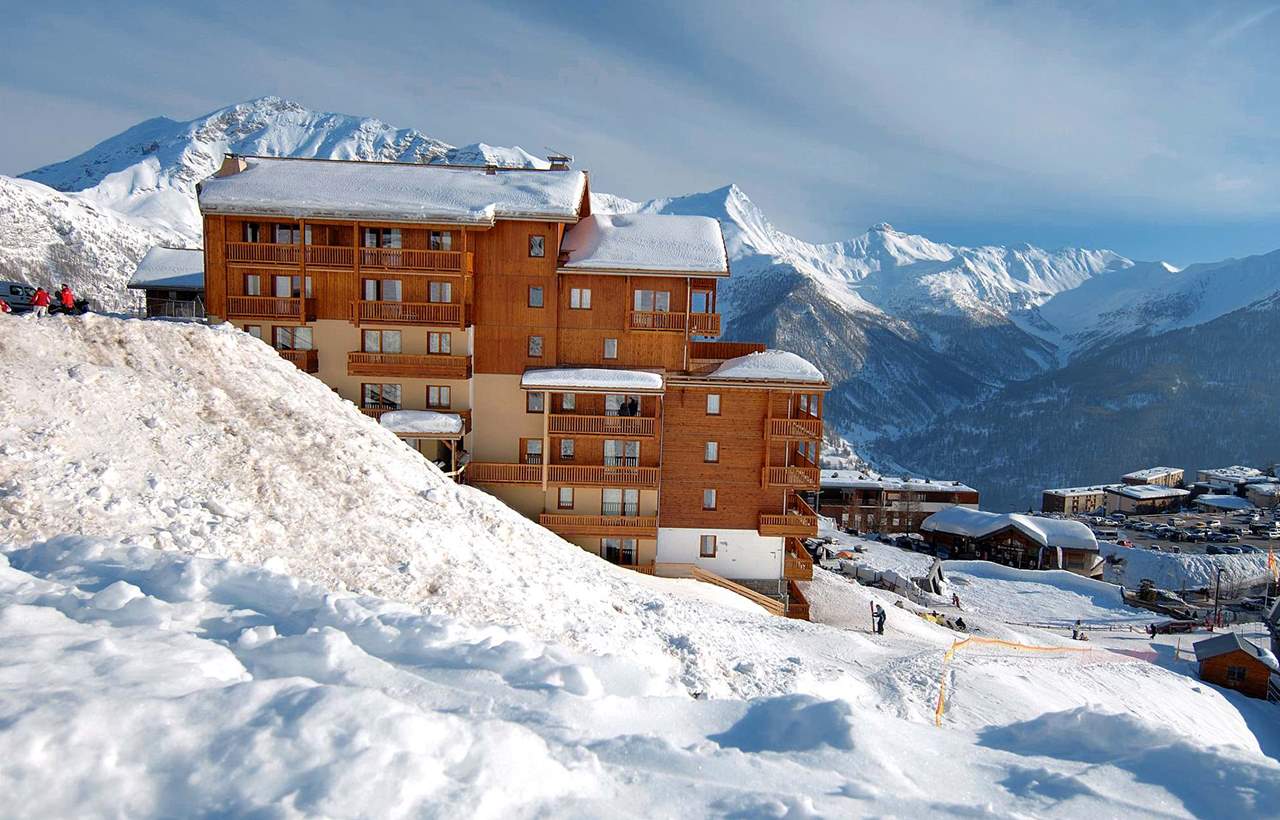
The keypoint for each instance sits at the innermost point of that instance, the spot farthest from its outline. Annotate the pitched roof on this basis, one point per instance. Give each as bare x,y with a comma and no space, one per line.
170,268
1231,642
401,192
1048,532
656,243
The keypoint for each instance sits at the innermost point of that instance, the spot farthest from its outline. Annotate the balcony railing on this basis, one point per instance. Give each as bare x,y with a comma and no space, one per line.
262,252
481,472
409,365
615,508
411,259
704,324
606,525
803,428
271,307
803,478
330,256
308,361
602,476
797,604
655,320
723,350
568,424
797,565
799,521
376,412
444,314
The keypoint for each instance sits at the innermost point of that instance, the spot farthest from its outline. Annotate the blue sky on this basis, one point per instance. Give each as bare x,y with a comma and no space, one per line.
1150,128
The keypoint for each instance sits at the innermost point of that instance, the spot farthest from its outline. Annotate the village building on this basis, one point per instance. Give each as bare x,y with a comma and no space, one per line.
1144,499
562,360
1075,500
1235,477
1230,661
1222,503
1263,494
1016,540
873,503
172,281
1158,476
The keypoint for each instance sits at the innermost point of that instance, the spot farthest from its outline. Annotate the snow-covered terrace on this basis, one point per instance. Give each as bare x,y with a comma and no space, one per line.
1148,492
170,269
1047,532
857,480
646,243
423,424
592,380
400,192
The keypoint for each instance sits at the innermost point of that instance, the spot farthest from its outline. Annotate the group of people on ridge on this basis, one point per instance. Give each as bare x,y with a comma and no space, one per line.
42,299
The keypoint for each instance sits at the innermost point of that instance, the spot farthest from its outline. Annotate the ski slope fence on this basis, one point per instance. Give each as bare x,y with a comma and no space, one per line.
973,640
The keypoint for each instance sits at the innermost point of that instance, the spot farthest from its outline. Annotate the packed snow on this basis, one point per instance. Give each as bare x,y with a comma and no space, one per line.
1148,492
1152,473
177,268
298,188
421,421
591,378
1048,532
1180,570
646,242
768,365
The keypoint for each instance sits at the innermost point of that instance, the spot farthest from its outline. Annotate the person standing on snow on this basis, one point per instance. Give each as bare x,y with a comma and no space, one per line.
67,299
40,303
879,619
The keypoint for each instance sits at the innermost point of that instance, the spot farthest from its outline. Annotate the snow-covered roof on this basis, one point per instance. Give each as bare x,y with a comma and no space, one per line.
1090,490
1263,489
1224,502
1231,642
1049,532
1151,473
769,366
588,379
647,242
170,268
1235,474
393,191
1147,491
859,480
422,422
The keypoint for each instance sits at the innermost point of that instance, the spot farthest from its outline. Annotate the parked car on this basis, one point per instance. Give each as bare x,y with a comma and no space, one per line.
1213,549
1231,550
17,295
1172,626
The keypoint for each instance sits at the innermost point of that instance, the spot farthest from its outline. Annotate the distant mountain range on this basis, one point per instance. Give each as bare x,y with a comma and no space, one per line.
967,363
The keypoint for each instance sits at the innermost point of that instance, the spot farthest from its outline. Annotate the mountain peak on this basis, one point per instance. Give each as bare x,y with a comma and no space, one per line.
882,227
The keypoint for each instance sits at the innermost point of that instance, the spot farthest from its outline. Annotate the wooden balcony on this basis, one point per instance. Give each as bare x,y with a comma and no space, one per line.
799,521
440,314
807,428
622,426
797,604
643,569
482,472
596,475
655,320
704,324
330,256
262,253
408,259
308,361
719,351
408,365
621,526
797,565
797,477
293,309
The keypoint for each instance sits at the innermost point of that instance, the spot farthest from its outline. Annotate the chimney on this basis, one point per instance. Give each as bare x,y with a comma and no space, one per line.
559,162
232,164
491,169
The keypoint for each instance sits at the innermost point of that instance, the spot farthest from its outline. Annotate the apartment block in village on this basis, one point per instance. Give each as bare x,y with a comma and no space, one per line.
562,360
874,503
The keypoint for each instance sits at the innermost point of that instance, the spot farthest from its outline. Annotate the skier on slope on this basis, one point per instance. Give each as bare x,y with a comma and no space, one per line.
40,303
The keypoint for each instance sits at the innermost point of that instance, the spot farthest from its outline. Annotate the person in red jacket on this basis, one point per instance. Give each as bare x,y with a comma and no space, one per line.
40,302
68,301
4,307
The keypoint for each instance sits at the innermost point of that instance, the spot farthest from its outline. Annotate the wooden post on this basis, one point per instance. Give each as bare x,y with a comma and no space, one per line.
546,438
355,266
302,270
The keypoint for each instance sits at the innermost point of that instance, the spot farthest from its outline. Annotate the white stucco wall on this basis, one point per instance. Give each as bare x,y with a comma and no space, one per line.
739,553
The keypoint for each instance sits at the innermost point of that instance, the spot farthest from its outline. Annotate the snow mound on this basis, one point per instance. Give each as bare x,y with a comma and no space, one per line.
421,421
649,242
170,268
791,723
1128,566
768,365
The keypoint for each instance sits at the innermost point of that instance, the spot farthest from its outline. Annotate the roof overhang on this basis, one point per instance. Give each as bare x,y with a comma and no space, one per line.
586,380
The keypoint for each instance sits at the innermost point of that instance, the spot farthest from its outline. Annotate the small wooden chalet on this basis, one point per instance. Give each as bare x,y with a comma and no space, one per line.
173,281
1233,662
1022,541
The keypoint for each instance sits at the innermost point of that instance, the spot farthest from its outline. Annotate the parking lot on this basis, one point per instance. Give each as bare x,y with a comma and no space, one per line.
1192,531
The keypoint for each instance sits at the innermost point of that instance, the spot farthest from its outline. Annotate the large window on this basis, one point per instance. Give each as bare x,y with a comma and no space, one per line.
252,284
439,396
702,301
537,245
252,232
380,341
619,550
293,338
653,300
708,499
533,402
611,348
615,501
381,396
254,330
532,448
535,347
707,546
440,240
580,298
289,234
290,287
439,343
382,290
440,292
619,453
713,404
535,296
616,404
382,238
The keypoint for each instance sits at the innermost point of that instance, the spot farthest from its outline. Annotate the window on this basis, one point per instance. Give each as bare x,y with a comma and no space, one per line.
252,232
290,287
382,290
619,550
533,402
440,240
564,498
611,348
537,245
1235,674
647,301
293,338
382,238
380,341
439,343
580,298
532,450
711,452
289,234
615,502
702,301
616,404
535,296
535,347
254,330
568,401
440,292
566,449
713,404
708,499
619,453
384,396
707,546
439,395
252,284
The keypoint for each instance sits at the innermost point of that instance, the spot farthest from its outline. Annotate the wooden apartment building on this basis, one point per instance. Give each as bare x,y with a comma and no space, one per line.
562,360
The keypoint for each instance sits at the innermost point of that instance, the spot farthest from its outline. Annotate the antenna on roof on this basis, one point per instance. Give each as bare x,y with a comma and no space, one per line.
560,161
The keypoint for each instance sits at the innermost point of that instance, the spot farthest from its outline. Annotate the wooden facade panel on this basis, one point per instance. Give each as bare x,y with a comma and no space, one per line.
215,266
1256,673
503,319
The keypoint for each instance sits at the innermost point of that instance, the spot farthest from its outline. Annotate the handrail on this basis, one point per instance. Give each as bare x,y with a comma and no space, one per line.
267,307
420,313
796,562
410,365
774,607
307,361
415,259
493,473
564,423
593,474
333,256
704,324
805,428
590,524
802,477
797,604
262,252
655,320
